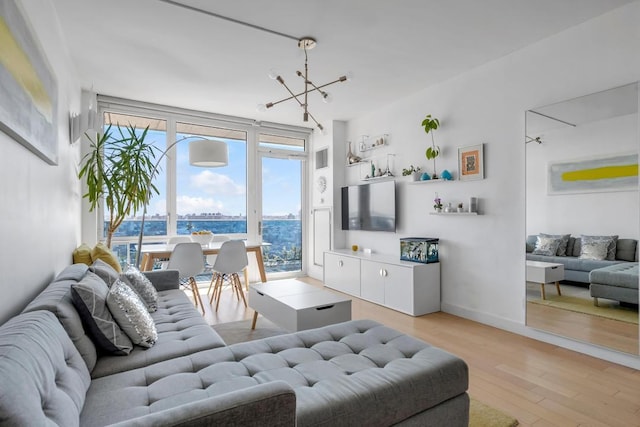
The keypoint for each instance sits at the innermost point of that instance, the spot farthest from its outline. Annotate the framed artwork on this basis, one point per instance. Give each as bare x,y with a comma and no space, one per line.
28,88
471,162
614,172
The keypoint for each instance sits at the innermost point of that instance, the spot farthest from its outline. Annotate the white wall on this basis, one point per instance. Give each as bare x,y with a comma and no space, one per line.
605,213
39,203
482,258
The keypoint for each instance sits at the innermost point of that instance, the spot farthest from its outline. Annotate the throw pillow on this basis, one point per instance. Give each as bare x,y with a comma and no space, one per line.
611,248
546,246
143,287
82,254
105,272
101,251
594,249
564,241
131,314
89,297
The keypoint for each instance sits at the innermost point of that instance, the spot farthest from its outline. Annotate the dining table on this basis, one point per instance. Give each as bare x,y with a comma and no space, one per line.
152,252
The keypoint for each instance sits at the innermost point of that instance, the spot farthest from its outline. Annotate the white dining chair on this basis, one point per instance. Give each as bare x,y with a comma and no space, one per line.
231,260
172,241
188,259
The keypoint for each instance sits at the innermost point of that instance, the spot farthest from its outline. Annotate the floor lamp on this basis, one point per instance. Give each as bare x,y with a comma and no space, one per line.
206,153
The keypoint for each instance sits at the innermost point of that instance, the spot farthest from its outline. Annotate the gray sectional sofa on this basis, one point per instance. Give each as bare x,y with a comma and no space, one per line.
616,279
353,373
576,269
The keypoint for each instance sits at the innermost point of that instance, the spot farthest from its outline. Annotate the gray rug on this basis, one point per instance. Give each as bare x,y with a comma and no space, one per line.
240,331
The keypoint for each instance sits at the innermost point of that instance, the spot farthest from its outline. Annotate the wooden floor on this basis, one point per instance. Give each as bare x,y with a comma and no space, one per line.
537,383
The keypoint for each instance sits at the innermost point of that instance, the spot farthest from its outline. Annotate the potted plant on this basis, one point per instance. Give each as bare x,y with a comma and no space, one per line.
430,124
117,170
413,171
437,203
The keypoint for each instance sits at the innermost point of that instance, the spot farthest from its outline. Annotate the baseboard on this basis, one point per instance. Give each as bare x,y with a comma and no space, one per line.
509,325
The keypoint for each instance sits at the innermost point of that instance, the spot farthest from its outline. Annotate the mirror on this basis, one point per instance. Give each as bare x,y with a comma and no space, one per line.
582,180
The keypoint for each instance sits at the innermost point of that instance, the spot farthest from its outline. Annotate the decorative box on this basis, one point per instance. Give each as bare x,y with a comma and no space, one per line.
419,249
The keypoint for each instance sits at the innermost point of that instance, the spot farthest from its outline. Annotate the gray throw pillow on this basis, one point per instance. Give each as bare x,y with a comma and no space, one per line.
594,249
105,272
143,287
611,248
131,314
89,297
564,240
546,246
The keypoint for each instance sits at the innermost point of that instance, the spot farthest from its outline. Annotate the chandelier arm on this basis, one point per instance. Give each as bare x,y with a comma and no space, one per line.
314,119
340,79
293,96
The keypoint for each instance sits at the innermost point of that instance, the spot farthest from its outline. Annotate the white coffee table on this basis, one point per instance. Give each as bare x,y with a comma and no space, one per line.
545,272
295,305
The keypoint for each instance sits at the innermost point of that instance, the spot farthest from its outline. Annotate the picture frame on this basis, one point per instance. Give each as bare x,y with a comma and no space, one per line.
471,162
28,86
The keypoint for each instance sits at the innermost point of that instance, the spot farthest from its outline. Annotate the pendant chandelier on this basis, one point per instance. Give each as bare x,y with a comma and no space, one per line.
302,98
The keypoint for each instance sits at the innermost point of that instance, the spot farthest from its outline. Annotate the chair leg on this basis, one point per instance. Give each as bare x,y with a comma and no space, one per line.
216,288
213,278
196,293
238,285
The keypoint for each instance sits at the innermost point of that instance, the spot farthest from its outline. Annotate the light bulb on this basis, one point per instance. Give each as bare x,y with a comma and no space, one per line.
327,98
261,108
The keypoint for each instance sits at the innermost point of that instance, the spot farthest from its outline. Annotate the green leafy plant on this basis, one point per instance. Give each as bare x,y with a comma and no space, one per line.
118,171
430,124
410,170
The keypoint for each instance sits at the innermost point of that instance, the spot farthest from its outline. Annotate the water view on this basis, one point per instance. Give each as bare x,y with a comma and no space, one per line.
284,252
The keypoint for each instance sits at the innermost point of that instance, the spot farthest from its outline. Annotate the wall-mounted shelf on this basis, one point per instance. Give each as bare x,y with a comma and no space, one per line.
372,143
427,181
379,178
384,167
454,213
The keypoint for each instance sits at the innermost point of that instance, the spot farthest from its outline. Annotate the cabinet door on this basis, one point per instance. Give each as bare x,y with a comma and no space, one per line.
342,273
372,281
398,287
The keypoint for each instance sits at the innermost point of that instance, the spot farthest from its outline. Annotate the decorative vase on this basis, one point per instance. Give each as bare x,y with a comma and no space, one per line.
352,158
425,177
415,176
460,210
438,210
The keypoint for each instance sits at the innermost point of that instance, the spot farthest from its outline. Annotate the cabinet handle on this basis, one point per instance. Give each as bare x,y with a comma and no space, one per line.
340,263
384,273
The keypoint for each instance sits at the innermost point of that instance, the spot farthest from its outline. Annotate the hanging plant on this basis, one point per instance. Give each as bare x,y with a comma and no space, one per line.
430,124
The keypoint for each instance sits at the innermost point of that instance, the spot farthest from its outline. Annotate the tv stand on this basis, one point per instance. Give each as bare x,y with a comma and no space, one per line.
409,287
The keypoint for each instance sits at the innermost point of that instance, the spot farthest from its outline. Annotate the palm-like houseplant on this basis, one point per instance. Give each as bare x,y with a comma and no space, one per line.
118,169
430,124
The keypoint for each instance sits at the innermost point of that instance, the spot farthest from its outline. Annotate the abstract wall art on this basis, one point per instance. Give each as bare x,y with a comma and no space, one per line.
28,88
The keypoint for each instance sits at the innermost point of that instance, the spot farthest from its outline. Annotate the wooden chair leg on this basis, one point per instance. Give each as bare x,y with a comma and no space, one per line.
213,279
238,286
196,294
216,289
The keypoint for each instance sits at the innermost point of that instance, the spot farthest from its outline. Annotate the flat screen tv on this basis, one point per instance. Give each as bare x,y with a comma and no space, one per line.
370,207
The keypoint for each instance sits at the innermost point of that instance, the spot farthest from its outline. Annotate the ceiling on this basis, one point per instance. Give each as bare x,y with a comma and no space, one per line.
149,50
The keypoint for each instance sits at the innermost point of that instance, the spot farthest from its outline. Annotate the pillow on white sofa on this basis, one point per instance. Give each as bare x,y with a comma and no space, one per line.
546,246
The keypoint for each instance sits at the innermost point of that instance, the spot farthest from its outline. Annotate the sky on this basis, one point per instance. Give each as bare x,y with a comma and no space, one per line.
223,189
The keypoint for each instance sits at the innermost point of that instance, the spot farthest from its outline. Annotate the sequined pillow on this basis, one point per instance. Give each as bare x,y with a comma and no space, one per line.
143,287
564,240
596,247
611,248
131,314
89,296
546,246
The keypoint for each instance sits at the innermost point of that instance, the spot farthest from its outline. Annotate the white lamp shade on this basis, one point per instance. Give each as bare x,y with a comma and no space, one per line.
208,153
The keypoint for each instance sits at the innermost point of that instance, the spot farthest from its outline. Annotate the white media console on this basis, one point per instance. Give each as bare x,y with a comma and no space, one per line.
409,287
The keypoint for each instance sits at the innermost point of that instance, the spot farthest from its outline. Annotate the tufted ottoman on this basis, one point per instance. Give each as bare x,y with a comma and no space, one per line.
617,282
353,373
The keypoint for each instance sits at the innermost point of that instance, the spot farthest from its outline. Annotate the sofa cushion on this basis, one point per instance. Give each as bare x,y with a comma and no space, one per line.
546,246
594,249
346,374
181,331
624,275
56,298
101,251
107,273
143,287
611,247
131,314
82,254
89,296
626,250
562,246
44,379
